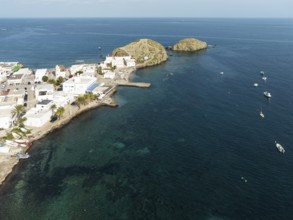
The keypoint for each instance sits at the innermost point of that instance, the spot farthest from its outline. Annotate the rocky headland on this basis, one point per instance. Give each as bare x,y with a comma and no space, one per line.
146,52
190,45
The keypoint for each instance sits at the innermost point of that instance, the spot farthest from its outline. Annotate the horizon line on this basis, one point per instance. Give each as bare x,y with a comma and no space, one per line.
167,17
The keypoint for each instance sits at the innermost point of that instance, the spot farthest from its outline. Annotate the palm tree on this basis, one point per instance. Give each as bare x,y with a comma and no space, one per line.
60,111
80,101
21,120
53,107
18,110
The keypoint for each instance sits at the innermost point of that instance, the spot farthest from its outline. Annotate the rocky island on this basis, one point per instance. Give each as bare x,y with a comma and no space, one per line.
146,52
190,45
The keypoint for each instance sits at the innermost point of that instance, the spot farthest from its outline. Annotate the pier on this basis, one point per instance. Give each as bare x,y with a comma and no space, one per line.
134,84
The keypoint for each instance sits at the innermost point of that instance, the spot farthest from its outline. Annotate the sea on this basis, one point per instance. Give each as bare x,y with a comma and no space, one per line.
193,146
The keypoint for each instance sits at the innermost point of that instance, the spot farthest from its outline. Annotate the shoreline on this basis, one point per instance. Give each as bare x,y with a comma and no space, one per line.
42,132
71,112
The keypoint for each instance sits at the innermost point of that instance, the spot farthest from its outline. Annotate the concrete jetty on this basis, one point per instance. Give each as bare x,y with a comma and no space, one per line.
134,84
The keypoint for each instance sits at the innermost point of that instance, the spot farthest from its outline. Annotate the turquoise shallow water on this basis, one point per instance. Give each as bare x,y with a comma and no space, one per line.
177,150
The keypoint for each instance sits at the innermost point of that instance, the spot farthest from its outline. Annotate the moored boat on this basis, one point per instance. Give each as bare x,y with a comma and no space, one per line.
280,147
267,94
261,114
255,84
22,155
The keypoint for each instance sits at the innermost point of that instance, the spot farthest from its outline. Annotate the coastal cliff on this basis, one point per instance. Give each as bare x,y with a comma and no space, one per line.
190,45
146,52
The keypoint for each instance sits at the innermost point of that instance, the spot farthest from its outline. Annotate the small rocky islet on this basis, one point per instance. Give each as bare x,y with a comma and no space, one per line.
148,52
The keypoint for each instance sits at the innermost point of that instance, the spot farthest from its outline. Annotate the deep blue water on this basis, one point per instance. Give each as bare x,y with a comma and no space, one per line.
175,151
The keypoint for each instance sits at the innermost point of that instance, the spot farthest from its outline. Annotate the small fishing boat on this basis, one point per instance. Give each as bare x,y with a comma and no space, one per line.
261,114
11,143
21,141
262,72
264,78
255,84
22,155
267,94
222,73
280,147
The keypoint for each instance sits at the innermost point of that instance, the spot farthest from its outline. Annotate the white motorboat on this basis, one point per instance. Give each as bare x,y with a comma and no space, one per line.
222,73
262,72
267,94
255,84
261,114
280,147
264,78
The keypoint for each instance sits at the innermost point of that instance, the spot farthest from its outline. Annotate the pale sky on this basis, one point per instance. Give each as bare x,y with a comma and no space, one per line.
146,8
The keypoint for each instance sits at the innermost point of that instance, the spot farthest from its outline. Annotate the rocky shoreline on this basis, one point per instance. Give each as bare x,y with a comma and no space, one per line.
71,112
7,166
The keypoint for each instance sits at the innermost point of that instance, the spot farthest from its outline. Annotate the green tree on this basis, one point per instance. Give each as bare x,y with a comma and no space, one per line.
60,80
53,107
18,110
80,101
45,78
52,81
100,70
21,121
60,111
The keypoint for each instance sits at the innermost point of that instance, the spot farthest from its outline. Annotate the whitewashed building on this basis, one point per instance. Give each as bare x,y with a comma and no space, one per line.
44,92
44,104
60,71
24,71
130,62
40,73
79,85
90,70
74,69
18,77
15,79
120,62
37,117
6,117
109,75
6,69
61,99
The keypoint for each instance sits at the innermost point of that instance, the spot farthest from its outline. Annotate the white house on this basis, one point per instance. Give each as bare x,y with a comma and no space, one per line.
15,79
60,71
24,71
115,61
76,68
61,99
44,92
44,104
120,62
6,69
130,62
109,75
90,70
37,117
6,117
18,77
79,85
40,73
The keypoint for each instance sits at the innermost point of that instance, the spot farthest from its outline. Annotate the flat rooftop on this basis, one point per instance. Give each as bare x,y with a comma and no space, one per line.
44,102
36,113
